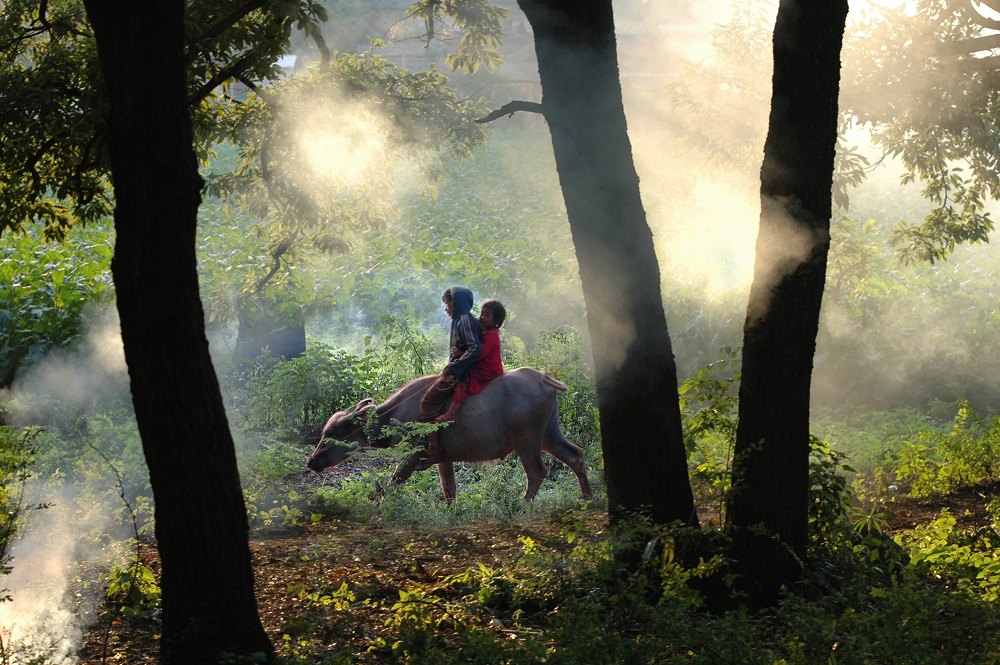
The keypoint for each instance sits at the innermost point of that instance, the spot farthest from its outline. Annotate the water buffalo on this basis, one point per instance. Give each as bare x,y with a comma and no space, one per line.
517,412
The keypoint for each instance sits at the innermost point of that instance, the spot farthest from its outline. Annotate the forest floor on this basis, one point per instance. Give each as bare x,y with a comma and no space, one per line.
391,558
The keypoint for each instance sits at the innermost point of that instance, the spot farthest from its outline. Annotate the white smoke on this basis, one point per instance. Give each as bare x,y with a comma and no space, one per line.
50,606
84,376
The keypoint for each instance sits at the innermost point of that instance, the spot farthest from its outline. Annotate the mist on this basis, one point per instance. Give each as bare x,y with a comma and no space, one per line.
697,103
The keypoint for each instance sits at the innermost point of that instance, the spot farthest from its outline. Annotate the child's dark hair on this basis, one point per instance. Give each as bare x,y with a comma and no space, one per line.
499,311
448,295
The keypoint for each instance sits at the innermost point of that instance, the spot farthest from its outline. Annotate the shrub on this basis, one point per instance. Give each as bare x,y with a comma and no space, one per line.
937,462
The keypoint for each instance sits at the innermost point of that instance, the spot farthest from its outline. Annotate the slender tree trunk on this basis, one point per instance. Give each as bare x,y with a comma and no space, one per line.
201,527
644,454
771,468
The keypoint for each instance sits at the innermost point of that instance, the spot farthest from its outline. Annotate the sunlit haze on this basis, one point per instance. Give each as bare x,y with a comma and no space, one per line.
344,143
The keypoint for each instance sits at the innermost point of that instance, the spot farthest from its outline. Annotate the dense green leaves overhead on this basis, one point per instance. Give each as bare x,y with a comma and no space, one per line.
54,160
925,82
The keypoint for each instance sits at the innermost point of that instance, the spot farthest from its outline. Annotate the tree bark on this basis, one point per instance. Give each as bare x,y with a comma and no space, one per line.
771,465
644,454
208,605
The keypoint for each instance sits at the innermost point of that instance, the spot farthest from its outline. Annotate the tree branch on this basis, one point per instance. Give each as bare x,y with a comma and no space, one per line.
966,46
220,26
510,108
979,19
317,36
232,71
990,64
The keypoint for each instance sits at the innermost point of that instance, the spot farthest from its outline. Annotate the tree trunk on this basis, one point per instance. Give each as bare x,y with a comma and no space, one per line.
208,605
644,454
771,466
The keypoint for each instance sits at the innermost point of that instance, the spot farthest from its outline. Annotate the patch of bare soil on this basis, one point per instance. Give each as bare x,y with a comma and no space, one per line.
383,559
966,505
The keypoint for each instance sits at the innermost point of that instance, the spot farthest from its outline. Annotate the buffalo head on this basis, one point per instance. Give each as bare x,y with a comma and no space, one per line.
343,426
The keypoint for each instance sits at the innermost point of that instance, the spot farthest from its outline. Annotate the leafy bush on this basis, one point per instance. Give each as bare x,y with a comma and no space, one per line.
967,560
709,408
937,462
296,397
44,288
869,438
571,602
562,355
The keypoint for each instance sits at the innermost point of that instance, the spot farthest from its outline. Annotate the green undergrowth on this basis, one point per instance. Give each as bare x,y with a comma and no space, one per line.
869,600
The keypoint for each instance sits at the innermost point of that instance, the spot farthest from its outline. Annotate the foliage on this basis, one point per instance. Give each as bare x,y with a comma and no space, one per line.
901,336
936,462
913,77
510,242
931,102
298,395
829,499
968,561
54,168
708,402
562,355
297,137
728,93
44,289
568,601
476,25
133,587
870,438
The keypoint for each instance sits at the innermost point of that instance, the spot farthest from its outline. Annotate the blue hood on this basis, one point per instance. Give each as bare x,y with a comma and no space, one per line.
461,301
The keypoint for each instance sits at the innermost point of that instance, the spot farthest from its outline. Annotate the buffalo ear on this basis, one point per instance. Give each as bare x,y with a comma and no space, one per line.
363,404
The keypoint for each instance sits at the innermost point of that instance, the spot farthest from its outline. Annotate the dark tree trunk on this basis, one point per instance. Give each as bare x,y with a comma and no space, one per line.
771,467
644,455
201,527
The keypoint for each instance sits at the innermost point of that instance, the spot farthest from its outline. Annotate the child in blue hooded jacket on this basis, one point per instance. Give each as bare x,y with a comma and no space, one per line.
465,349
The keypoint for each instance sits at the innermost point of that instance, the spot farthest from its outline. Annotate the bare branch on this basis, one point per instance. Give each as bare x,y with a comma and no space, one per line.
510,108
986,65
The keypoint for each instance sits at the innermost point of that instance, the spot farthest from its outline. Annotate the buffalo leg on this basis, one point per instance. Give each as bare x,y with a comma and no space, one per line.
446,473
534,471
406,469
569,454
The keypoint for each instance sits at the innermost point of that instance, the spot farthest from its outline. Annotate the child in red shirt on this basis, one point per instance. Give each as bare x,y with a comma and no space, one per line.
489,366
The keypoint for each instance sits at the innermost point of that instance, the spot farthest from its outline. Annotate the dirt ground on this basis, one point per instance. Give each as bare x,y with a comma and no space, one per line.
393,557
386,557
